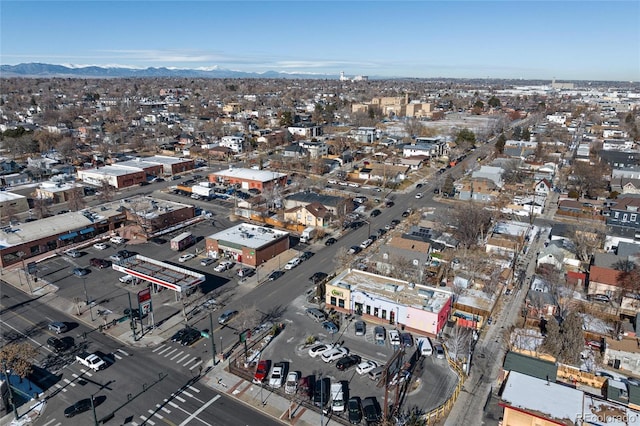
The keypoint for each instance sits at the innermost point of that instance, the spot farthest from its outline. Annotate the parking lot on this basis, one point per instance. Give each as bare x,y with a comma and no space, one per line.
429,389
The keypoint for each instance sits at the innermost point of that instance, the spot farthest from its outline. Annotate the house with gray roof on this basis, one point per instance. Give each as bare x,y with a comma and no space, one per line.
335,205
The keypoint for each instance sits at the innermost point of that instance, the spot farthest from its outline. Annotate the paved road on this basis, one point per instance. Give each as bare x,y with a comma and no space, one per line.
176,399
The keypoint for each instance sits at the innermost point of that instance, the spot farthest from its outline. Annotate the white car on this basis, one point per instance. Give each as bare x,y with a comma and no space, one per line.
275,380
223,266
334,354
185,257
128,279
100,246
117,240
419,195
292,263
366,243
365,366
394,337
291,385
319,349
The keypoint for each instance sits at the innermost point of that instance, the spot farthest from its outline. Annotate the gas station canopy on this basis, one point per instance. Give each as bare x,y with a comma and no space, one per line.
160,273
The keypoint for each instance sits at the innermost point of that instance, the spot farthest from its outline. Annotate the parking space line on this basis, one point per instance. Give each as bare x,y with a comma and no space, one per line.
184,392
182,359
194,389
170,352
173,404
158,348
163,408
177,355
179,399
123,352
116,356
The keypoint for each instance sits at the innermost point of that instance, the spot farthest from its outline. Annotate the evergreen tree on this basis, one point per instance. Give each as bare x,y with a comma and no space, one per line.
500,143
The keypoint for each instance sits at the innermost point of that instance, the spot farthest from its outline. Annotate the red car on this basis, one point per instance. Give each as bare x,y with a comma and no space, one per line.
262,370
99,263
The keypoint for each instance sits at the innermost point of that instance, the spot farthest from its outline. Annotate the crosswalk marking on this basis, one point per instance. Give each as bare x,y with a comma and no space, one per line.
190,361
163,408
157,349
179,398
51,421
69,382
170,352
123,352
183,358
194,389
173,404
62,388
195,365
146,420
164,350
184,392
177,355
155,414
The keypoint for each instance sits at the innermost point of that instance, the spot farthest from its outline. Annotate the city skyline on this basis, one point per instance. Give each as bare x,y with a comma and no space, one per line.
503,39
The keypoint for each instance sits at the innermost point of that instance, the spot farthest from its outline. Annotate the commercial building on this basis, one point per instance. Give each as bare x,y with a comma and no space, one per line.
413,307
249,178
248,244
11,204
58,192
118,177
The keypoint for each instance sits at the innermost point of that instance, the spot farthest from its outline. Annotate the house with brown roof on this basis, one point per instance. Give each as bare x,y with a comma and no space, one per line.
603,280
312,214
401,252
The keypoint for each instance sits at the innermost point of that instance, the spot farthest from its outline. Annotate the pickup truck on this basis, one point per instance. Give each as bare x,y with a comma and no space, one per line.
91,361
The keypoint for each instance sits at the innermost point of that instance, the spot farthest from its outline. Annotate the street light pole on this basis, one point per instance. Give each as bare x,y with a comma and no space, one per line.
86,297
11,400
213,342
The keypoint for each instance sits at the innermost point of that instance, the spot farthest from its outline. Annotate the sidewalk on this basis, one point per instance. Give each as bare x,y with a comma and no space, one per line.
217,378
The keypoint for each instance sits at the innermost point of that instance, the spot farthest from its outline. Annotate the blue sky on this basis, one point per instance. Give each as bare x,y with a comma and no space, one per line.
588,40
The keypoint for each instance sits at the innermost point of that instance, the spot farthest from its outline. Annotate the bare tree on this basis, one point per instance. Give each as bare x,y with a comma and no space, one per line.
41,207
17,358
76,200
106,191
343,258
459,342
586,242
470,222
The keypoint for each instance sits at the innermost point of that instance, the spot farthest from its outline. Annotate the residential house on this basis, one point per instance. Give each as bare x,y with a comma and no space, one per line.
478,189
366,135
625,213
418,253
234,143
559,254
603,280
295,151
490,172
312,214
540,302
543,187
423,149
337,206
315,149
623,354
622,159
306,130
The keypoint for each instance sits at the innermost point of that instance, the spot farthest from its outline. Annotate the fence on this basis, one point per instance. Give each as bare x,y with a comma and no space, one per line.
440,412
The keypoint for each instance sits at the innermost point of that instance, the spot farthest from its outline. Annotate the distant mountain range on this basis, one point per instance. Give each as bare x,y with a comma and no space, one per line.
49,70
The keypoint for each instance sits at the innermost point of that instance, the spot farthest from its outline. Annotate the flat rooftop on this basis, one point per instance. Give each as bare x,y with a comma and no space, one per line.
109,171
249,174
398,291
246,235
9,196
83,219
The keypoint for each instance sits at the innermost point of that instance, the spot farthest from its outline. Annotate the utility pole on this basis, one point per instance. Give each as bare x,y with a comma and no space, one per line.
132,320
11,400
213,342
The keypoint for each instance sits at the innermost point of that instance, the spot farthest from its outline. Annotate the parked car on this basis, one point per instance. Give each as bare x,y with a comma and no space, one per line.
394,337
354,410
334,354
99,263
78,408
306,256
80,272
317,277
365,366
245,272
275,275
226,316
439,351
371,410
406,339
321,392
347,362
277,376
100,246
261,371
366,243
292,263
379,335
419,185
375,213
360,328
207,261
224,265
291,384
419,195
58,327
330,327
389,203
117,240
355,250
73,253
330,241
320,349
185,257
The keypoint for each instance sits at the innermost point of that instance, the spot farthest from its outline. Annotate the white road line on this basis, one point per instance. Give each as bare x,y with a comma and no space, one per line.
170,352
173,404
182,359
163,408
49,422
177,355
200,410
153,413
117,356
158,348
190,361
194,389
69,382
184,392
123,352
147,420
179,399
164,350
195,365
